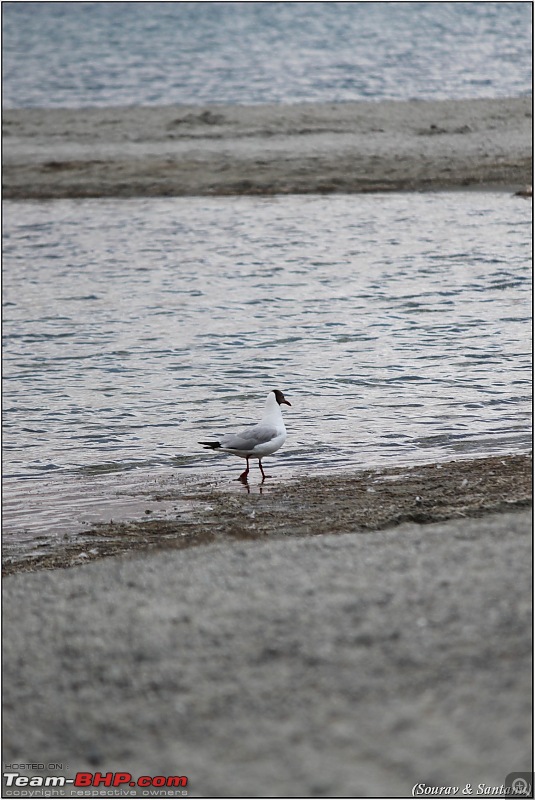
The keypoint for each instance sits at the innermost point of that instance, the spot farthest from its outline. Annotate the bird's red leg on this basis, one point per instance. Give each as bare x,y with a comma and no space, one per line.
243,476
264,476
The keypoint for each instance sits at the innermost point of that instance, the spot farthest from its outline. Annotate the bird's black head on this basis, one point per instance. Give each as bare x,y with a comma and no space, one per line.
280,398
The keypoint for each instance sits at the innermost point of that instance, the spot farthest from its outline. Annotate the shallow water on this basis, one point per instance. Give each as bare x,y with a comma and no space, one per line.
95,54
398,325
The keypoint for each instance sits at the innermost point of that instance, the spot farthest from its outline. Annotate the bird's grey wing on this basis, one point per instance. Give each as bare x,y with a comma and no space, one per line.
250,437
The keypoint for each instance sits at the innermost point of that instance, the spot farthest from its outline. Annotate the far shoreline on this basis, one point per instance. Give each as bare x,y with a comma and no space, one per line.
266,150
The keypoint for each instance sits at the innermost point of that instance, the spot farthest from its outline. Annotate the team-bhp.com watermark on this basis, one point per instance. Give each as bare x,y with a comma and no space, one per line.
115,784
516,784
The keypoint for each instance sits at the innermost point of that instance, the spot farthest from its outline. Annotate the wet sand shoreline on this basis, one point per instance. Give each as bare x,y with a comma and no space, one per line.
266,150
361,502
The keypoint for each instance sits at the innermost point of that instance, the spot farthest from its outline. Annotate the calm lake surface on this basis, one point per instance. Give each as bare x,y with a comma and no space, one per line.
399,326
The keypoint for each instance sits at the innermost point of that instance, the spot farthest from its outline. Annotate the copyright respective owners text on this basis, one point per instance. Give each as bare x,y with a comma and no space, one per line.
516,784
37,780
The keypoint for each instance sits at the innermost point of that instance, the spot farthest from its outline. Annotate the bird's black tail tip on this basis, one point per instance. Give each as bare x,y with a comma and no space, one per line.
210,445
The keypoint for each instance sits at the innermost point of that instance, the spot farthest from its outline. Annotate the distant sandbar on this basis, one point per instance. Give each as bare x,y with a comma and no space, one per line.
265,150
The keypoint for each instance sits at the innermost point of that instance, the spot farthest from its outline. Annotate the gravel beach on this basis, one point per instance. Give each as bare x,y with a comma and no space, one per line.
330,666
309,148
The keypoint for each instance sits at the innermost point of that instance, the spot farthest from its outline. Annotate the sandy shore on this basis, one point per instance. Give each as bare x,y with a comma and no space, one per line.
220,150
329,666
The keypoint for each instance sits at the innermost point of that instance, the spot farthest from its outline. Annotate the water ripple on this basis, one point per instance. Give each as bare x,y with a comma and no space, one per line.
272,52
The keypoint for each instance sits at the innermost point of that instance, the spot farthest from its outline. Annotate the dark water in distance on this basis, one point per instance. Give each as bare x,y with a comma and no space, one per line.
101,54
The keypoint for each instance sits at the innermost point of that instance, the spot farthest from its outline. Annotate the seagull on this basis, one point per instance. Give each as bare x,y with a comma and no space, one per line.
257,441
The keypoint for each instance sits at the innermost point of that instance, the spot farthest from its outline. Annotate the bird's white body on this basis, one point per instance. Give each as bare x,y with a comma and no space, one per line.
257,441
260,440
